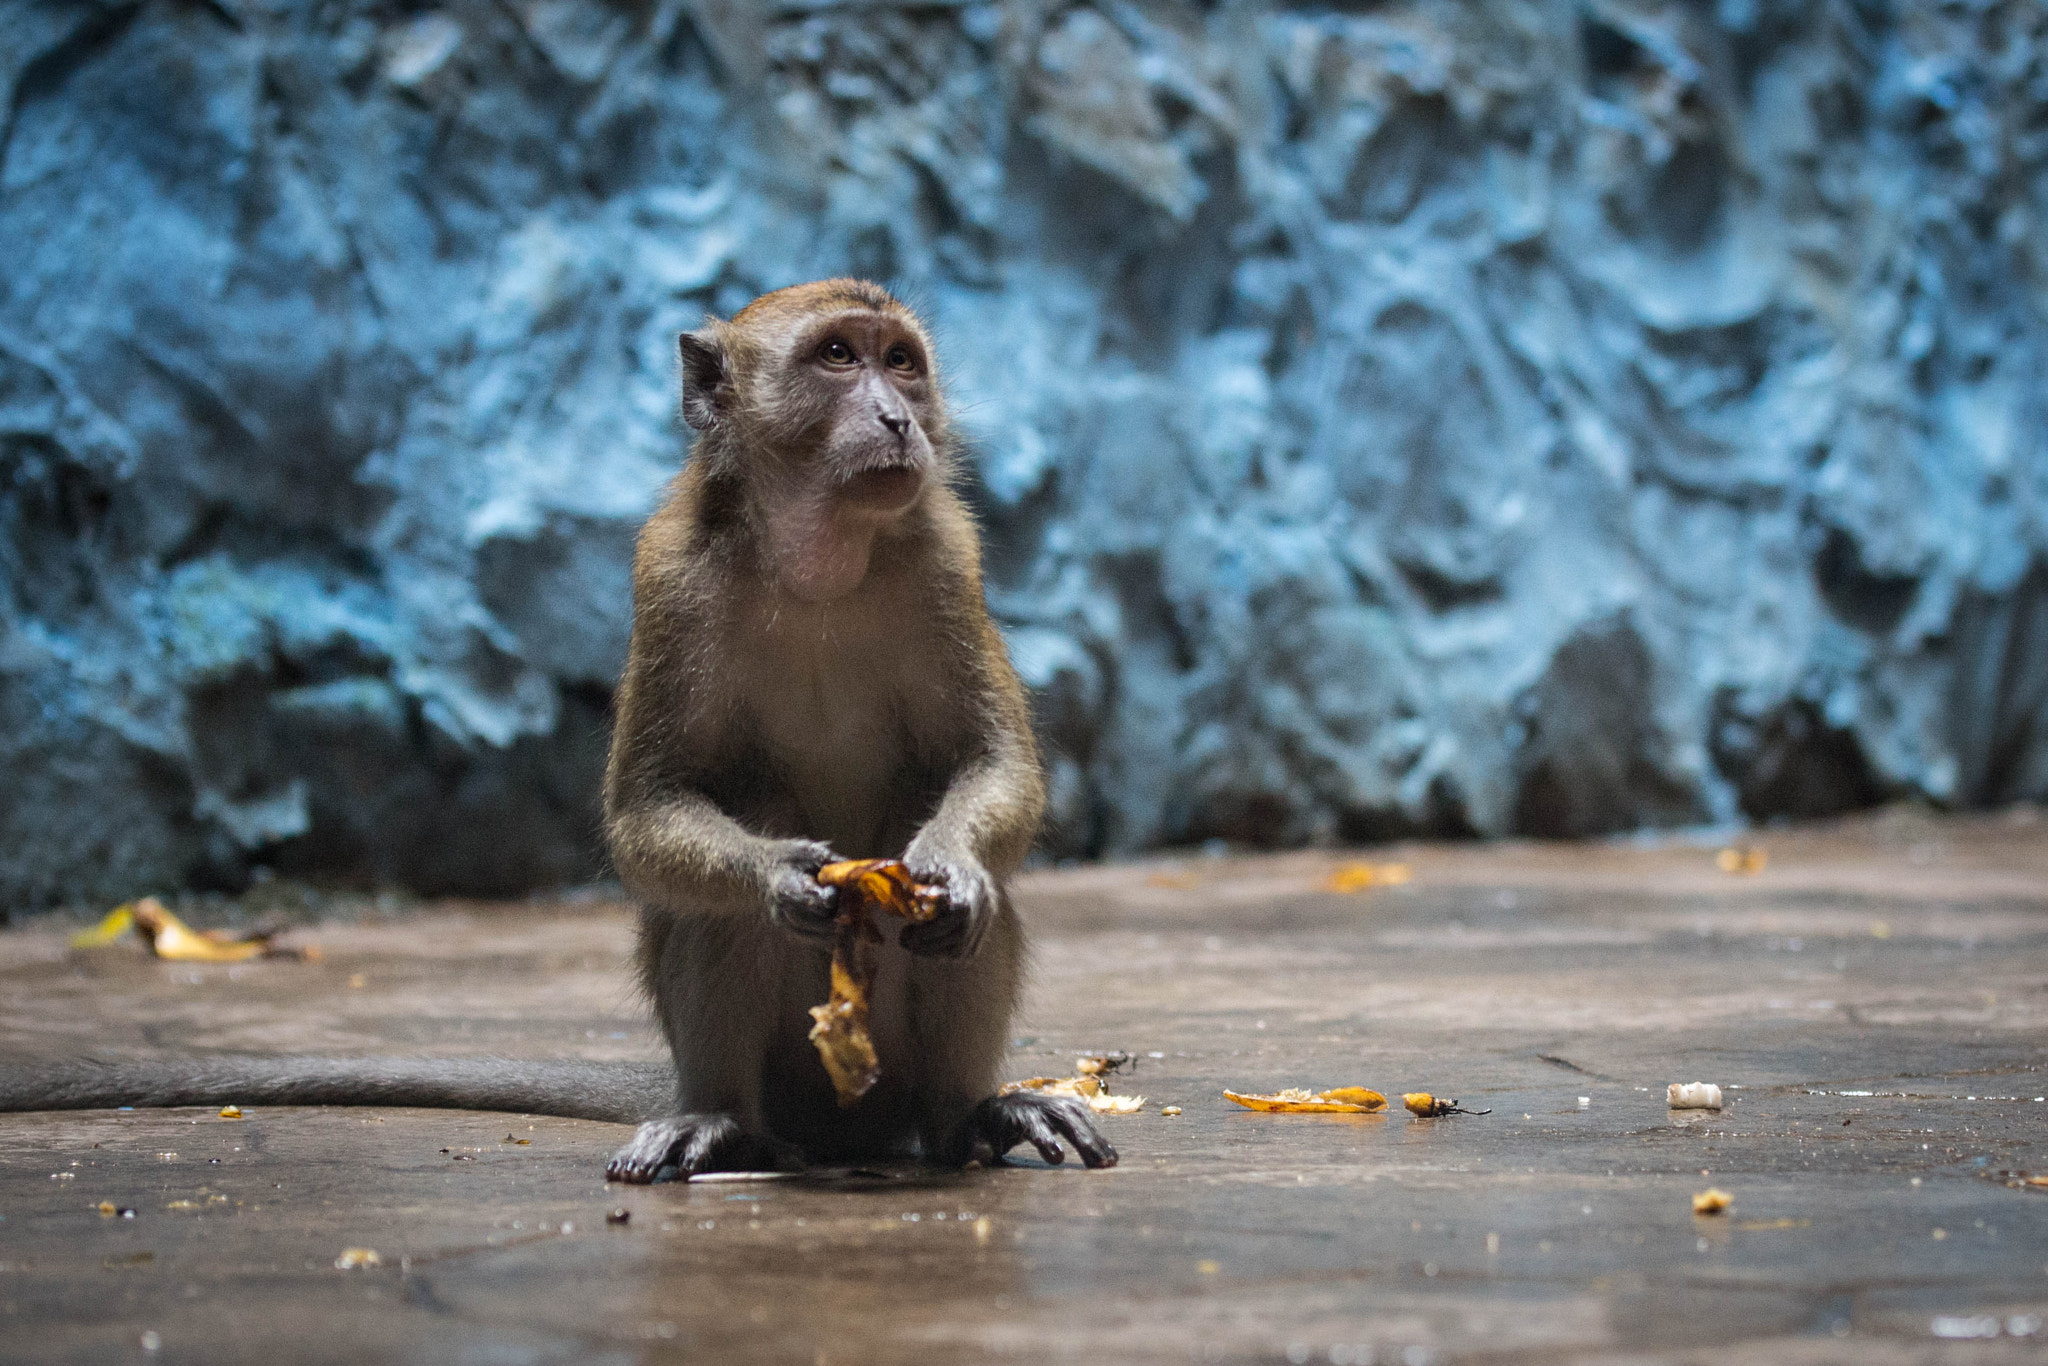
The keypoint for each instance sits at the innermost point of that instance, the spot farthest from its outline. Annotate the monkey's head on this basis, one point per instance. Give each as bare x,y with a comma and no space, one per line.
823,393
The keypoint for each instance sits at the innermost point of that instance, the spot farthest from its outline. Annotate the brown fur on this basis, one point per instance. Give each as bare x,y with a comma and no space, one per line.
810,677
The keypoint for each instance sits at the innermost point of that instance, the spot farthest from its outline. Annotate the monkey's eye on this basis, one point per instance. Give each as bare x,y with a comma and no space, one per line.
899,358
836,352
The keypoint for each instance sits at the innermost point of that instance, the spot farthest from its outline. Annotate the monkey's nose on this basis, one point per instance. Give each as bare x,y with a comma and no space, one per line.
898,423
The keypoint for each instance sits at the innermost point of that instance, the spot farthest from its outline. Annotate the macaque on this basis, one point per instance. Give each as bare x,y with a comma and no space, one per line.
813,675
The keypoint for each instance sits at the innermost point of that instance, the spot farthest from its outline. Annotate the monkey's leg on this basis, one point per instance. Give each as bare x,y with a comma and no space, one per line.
960,1020
718,986
696,1143
1000,1123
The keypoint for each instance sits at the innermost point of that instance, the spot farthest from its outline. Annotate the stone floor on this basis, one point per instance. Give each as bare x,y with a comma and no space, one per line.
1876,998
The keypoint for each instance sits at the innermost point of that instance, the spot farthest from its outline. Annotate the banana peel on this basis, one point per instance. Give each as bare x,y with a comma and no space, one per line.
170,937
1342,1100
840,1026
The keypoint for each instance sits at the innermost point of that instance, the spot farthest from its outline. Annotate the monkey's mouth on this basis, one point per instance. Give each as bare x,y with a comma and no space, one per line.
885,487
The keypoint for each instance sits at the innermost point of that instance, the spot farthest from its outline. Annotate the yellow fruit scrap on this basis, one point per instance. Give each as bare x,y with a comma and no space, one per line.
357,1258
1741,859
840,1028
1356,877
1084,1087
1423,1105
230,1112
885,884
118,922
1713,1200
1343,1100
170,937
840,1031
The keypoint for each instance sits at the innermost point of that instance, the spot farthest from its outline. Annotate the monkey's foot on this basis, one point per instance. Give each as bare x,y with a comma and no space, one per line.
686,1144
1000,1123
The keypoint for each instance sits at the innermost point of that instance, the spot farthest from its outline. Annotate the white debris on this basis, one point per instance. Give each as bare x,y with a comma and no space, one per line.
1693,1095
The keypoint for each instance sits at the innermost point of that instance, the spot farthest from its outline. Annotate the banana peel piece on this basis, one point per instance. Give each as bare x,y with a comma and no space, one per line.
840,1026
1342,1100
1086,1087
1423,1105
116,923
1356,877
170,937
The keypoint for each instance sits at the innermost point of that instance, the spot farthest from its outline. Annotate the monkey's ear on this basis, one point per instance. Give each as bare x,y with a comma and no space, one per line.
707,379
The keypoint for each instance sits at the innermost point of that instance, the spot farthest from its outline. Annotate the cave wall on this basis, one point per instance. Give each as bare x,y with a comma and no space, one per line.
1407,417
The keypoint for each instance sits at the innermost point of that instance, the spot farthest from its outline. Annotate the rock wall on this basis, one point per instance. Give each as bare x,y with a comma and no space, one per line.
1396,417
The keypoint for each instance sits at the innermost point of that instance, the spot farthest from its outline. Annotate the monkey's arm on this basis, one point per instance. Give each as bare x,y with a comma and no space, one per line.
985,822
990,812
680,851
672,844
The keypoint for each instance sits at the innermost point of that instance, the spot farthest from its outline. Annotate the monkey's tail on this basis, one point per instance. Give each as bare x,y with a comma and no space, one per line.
618,1092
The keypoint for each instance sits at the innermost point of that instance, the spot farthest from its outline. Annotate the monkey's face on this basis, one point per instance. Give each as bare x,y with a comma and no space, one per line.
861,390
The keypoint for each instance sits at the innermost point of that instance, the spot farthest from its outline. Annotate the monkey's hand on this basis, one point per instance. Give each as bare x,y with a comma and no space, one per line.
797,901
968,909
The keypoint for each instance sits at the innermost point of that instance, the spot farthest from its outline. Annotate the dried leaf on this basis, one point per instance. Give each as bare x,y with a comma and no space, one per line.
1711,1201
840,1028
1356,877
118,922
1344,1100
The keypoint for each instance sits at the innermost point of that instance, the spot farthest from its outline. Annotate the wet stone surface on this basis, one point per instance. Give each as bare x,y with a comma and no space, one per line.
1875,1000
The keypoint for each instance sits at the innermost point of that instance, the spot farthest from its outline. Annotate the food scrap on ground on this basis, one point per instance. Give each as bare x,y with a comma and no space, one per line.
841,1029
1693,1095
170,937
1343,1100
356,1258
1356,877
1713,1200
1741,859
230,1112
1086,1086
1423,1105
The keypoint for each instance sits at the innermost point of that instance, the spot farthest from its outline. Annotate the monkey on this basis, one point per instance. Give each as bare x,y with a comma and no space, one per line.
812,672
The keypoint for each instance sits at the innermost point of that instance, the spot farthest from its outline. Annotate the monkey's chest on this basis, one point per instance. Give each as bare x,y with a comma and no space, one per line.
837,746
